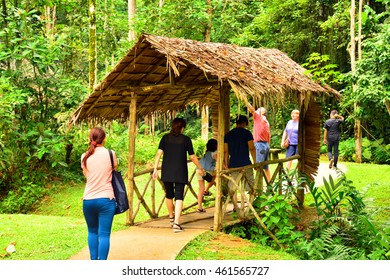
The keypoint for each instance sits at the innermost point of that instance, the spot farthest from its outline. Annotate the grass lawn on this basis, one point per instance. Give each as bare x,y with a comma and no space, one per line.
57,230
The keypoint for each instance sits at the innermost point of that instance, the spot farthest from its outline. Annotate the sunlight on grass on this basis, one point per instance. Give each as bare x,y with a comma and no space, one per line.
42,237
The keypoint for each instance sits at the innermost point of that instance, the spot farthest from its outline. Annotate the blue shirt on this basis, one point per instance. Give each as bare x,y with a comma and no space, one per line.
237,140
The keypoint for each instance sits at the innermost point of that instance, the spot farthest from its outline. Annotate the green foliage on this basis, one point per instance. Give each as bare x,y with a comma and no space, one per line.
371,78
343,229
334,197
23,199
277,211
35,94
323,71
372,151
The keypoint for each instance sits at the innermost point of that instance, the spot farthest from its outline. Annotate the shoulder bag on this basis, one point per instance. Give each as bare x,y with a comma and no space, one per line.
122,202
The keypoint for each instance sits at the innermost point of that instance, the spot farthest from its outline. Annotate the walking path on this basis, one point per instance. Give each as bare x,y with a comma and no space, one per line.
155,240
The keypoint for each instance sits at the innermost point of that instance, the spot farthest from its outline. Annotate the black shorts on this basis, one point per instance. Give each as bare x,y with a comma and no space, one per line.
174,190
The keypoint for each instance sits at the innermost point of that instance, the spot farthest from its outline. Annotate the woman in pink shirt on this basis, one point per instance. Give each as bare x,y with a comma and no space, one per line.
98,199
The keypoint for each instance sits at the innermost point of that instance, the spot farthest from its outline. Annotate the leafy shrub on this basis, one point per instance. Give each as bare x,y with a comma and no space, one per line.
343,230
277,212
23,199
372,151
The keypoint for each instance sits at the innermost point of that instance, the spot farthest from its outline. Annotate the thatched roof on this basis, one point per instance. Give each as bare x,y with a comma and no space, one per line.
168,74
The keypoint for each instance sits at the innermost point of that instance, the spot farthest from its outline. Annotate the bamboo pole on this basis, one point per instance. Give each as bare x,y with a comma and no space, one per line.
130,167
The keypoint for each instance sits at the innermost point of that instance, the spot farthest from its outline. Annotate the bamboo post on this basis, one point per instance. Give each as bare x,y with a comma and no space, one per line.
222,107
130,167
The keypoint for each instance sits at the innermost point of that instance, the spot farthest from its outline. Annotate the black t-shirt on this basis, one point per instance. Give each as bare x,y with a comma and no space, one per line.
333,127
237,140
174,167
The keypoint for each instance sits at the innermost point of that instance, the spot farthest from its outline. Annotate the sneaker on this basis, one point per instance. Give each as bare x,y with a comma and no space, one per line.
331,164
177,228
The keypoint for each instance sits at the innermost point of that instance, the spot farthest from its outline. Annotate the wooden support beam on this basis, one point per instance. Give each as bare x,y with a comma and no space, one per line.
130,167
301,149
128,89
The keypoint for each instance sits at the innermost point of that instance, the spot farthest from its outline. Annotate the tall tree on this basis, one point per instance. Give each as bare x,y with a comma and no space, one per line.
207,38
352,53
92,54
5,26
132,9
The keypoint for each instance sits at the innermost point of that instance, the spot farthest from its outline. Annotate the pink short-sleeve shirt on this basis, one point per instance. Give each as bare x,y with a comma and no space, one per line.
98,173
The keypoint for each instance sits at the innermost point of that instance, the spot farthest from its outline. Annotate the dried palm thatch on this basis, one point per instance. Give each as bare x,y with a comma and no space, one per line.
167,74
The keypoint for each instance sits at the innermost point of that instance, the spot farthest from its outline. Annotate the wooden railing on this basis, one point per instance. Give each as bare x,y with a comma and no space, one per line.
151,195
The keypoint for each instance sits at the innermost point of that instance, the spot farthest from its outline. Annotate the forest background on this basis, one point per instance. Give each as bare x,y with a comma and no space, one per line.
52,53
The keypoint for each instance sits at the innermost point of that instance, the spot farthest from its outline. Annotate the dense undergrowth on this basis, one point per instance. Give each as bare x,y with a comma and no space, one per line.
343,227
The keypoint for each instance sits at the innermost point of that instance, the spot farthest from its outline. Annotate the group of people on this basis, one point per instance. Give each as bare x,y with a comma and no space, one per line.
239,145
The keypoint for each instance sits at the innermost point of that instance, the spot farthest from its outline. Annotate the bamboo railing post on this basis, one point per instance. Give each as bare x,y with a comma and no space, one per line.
130,167
153,197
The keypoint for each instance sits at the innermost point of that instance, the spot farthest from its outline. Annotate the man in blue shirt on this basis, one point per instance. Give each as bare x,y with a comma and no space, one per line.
238,145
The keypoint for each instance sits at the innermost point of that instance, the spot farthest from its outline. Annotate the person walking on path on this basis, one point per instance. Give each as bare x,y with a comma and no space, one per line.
238,144
332,134
291,133
261,136
208,162
98,198
174,147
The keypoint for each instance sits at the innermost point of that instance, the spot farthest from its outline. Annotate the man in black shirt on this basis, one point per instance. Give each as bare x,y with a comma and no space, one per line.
332,136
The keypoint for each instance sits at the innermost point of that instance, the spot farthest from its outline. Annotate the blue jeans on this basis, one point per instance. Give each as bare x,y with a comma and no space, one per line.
99,215
262,152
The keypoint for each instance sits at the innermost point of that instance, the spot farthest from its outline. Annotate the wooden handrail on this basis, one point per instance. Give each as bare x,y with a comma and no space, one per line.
154,207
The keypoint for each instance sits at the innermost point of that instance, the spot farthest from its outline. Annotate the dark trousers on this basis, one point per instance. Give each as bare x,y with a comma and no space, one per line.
333,147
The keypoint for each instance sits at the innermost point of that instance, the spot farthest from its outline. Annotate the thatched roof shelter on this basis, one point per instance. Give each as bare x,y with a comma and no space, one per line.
168,74
162,75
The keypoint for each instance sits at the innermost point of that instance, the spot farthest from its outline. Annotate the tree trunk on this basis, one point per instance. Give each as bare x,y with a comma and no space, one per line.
207,34
5,26
92,55
352,53
205,109
50,18
132,8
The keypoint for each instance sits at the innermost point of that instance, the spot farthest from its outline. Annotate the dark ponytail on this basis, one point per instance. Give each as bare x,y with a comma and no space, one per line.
96,136
177,125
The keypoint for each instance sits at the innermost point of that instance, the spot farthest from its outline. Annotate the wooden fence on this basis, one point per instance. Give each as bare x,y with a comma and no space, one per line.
151,195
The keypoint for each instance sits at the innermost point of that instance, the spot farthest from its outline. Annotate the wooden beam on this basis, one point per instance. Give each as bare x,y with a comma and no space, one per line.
127,89
130,167
301,148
